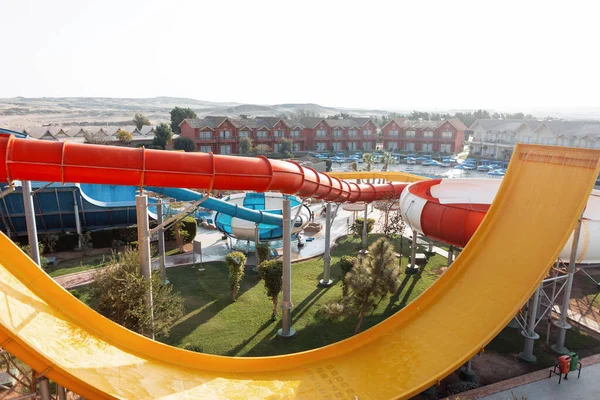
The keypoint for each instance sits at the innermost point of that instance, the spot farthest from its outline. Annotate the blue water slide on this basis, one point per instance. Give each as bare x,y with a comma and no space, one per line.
220,206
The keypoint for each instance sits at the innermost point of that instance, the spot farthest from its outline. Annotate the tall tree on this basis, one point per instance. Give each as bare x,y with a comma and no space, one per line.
236,262
162,135
371,278
271,272
245,145
285,147
140,120
184,143
178,114
118,293
124,136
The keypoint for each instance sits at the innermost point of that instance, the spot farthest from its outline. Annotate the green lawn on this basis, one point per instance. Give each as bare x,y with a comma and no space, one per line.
78,265
244,328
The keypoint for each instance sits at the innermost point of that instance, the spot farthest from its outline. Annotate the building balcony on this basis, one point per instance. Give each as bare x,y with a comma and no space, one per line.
207,141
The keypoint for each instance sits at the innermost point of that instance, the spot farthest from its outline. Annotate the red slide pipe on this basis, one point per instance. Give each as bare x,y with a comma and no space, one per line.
85,163
454,224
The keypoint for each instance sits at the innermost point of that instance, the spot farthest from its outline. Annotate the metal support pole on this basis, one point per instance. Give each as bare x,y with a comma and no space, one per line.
450,255
45,389
61,392
467,373
530,335
161,241
77,221
141,203
412,267
286,303
30,221
562,324
256,242
326,281
364,231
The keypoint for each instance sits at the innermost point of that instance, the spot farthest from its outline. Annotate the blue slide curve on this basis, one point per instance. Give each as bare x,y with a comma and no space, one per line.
220,206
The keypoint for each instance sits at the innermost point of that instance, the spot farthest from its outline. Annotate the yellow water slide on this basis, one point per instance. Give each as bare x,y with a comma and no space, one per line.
543,193
388,176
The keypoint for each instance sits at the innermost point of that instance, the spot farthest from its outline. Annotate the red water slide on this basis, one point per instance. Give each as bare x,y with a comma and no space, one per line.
85,163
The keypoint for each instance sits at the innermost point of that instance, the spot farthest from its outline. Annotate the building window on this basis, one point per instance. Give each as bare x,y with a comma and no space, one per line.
337,146
278,133
295,147
352,133
409,147
337,133
447,135
243,134
205,149
295,133
427,147
409,134
320,146
321,133
367,132
445,148
393,134
225,149
276,147
351,145
206,135
367,146
392,146
261,134
225,134
428,134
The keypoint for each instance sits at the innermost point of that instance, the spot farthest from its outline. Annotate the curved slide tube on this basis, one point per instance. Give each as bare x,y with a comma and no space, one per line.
428,339
83,163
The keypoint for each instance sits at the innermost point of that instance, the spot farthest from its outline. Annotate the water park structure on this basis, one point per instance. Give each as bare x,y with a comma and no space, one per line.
502,264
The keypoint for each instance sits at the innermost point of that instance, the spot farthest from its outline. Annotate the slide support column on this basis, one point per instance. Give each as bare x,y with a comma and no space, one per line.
326,281
412,267
77,221
30,221
286,303
530,335
161,241
45,389
61,392
562,324
141,203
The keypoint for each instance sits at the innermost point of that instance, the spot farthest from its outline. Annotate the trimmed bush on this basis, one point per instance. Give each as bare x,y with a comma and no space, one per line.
357,227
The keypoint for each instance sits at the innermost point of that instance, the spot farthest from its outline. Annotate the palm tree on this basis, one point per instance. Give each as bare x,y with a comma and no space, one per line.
369,159
372,277
387,159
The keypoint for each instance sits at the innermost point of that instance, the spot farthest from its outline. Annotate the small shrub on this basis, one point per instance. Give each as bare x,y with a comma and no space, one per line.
236,261
192,347
332,311
346,264
357,226
262,249
86,243
51,239
271,272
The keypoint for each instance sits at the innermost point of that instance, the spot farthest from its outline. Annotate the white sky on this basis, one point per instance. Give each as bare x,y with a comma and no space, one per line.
372,54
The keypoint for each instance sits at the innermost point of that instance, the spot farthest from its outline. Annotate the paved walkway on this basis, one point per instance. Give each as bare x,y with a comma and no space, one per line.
537,386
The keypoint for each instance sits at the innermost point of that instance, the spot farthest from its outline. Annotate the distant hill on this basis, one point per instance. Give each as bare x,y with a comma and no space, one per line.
23,111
